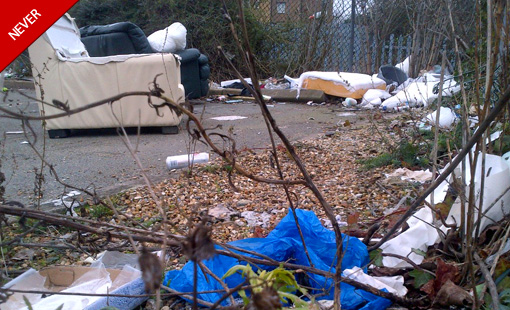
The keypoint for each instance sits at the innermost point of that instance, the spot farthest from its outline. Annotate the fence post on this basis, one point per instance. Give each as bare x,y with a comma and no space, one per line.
409,43
399,49
353,16
390,49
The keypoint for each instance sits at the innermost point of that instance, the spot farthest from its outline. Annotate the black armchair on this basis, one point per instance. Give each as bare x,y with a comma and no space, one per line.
127,38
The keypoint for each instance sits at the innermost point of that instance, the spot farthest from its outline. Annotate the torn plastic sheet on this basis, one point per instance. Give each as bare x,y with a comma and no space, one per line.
496,194
420,235
284,245
97,281
421,92
394,285
421,176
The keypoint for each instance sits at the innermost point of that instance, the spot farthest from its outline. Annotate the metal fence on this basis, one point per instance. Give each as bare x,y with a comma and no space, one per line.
324,35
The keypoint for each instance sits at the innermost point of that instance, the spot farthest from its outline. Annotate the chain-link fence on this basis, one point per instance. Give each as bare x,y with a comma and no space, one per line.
328,35
353,35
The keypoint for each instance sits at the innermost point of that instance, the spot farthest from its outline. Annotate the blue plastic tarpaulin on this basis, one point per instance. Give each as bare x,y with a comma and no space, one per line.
284,244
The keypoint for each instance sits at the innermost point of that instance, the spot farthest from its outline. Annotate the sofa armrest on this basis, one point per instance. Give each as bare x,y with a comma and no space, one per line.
187,55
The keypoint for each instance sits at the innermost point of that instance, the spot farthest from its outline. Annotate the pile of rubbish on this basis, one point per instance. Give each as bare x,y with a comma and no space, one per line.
391,89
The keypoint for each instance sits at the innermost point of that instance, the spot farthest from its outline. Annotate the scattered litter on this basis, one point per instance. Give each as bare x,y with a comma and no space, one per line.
69,201
221,212
256,218
228,118
272,83
411,242
349,102
24,142
228,83
234,101
394,285
421,176
183,161
327,222
24,254
446,118
14,132
343,114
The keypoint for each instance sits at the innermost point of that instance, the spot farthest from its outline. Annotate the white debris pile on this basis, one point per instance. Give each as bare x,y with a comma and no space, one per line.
424,229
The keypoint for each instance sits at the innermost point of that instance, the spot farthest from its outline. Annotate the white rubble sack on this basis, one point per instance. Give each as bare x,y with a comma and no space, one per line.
446,118
394,285
420,236
169,40
421,92
374,97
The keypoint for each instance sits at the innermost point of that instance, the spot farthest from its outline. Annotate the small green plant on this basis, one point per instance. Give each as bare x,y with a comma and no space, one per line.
405,155
210,168
280,280
99,211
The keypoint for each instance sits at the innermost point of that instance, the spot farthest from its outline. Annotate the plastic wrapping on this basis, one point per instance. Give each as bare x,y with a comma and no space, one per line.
74,279
169,40
446,118
284,244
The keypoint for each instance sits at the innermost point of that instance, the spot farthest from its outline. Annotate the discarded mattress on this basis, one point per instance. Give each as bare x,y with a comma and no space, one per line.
340,84
284,244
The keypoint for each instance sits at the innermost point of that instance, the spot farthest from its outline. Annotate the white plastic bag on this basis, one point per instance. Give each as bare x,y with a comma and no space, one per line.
446,118
374,96
169,40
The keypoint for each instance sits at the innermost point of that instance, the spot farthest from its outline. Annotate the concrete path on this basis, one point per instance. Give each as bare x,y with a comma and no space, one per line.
99,160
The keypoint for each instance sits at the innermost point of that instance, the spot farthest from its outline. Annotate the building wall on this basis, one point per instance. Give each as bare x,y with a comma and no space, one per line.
295,10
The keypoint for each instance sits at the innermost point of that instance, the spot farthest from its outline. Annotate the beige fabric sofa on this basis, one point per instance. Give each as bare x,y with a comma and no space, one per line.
60,63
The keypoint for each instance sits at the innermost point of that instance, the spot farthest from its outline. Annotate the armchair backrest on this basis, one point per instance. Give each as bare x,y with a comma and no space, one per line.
115,39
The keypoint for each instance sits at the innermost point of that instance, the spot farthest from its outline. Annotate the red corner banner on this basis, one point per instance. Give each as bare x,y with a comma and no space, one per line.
24,21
